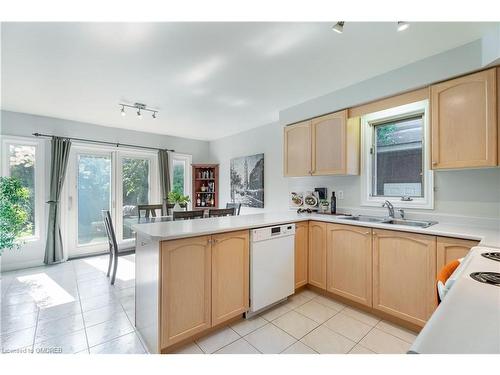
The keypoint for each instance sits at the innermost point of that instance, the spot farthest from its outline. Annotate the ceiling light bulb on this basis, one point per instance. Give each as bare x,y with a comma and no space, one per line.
154,114
338,27
123,111
139,114
403,25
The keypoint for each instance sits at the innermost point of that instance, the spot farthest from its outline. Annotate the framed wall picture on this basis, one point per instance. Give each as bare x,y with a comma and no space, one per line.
247,180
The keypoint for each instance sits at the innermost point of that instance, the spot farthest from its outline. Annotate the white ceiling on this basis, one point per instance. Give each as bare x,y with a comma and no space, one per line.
208,80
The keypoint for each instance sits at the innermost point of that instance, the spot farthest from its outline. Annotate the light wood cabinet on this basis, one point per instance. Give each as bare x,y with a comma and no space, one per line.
464,121
185,288
301,253
297,149
449,249
349,262
404,274
335,144
230,280
317,254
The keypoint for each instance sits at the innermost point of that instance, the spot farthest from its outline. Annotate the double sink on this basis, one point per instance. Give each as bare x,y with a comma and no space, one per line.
390,220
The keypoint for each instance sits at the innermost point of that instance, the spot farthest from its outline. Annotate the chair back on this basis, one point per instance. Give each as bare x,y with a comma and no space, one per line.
150,210
188,215
236,206
219,212
443,276
110,231
170,207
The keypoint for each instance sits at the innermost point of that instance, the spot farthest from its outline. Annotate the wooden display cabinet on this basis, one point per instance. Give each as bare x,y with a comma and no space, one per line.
205,186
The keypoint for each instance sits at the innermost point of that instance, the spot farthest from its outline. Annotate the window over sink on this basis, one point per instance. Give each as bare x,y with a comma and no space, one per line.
395,157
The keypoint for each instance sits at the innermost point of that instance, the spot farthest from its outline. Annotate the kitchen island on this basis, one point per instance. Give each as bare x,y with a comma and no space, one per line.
192,276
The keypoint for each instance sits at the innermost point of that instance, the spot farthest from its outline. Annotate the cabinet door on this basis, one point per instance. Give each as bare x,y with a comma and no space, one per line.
230,275
185,288
297,149
464,121
449,249
349,262
329,144
317,254
404,274
301,253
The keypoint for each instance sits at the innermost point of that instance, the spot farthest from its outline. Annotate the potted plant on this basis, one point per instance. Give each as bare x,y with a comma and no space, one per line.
177,199
14,200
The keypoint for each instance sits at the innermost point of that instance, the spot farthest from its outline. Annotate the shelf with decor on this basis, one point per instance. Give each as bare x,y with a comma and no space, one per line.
205,186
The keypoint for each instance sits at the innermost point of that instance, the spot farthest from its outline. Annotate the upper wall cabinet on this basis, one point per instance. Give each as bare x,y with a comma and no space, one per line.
464,122
327,145
297,149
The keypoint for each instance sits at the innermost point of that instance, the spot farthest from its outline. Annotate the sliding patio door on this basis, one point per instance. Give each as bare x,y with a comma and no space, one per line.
101,178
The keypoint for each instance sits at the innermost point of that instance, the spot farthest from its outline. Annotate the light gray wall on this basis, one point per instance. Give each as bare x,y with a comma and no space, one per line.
471,193
22,124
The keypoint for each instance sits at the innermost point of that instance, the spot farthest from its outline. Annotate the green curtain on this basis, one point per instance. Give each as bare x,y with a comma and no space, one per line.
164,178
58,165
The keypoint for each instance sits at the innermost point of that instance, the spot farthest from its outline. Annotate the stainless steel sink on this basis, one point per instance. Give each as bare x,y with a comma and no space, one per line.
364,218
410,223
384,220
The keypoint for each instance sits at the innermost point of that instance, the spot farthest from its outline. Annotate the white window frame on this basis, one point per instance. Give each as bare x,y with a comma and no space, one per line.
70,201
40,179
188,178
367,130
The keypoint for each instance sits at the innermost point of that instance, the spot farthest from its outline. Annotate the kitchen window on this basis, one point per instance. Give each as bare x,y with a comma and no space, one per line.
396,152
180,173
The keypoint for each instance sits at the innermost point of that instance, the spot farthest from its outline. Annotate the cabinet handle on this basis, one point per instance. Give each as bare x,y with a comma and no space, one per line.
367,233
434,163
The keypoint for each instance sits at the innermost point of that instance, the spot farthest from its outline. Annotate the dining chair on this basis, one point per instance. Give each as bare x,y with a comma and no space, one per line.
236,206
113,245
150,210
187,215
219,212
170,207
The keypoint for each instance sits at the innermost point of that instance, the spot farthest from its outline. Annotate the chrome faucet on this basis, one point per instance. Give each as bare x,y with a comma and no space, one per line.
390,207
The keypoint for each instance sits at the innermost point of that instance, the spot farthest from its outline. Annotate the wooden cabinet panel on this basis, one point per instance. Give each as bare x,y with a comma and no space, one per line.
349,262
297,149
230,275
404,274
449,249
301,253
335,144
317,254
464,121
185,288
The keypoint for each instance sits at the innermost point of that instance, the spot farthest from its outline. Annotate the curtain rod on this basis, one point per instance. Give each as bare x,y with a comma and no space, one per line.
117,144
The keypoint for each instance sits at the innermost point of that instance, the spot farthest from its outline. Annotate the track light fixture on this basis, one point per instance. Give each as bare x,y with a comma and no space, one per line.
140,107
402,25
338,27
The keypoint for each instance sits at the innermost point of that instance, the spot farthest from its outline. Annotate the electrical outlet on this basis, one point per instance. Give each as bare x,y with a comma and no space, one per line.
340,194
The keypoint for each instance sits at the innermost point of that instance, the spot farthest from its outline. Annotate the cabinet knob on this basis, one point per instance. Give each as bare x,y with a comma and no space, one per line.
367,233
434,163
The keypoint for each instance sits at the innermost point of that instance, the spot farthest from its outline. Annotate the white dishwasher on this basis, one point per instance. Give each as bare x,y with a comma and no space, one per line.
272,266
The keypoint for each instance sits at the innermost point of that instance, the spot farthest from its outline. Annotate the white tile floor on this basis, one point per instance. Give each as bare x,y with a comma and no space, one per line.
71,308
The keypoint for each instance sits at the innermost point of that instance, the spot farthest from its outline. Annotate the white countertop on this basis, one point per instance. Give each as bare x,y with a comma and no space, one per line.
468,319
198,227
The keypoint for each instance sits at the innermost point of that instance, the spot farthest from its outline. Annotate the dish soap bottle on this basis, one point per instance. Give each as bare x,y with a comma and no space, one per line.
333,204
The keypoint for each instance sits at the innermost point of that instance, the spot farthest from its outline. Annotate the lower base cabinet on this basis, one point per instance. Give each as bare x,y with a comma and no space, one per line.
317,254
449,249
404,275
204,282
301,253
349,262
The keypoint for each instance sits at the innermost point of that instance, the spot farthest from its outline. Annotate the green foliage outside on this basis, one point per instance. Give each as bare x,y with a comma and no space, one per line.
135,174
14,212
385,135
178,179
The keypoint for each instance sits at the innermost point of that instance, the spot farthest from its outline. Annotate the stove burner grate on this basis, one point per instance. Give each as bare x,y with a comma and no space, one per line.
493,256
492,278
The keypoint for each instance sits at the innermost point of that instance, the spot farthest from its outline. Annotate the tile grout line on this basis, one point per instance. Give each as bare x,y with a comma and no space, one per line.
36,329
81,309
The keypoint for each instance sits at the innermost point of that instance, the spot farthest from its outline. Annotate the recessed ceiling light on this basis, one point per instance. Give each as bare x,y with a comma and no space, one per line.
338,27
403,25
